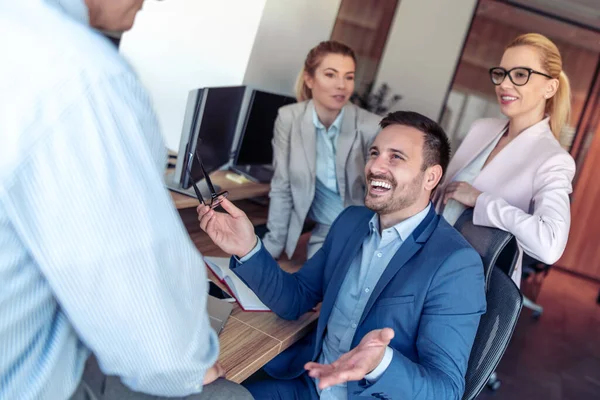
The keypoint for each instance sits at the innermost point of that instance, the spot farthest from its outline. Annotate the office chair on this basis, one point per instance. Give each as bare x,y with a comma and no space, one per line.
496,247
534,272
504,303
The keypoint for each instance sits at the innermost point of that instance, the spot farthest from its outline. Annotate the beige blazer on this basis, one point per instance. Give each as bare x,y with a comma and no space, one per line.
295,163
525,187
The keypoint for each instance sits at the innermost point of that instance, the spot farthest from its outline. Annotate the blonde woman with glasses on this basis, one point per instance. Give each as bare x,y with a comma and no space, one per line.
514,172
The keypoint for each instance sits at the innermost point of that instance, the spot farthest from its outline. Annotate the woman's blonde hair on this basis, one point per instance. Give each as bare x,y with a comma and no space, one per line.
559,105
313,60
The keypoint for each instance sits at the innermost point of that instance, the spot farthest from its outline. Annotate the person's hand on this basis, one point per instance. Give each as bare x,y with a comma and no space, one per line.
354,365
213,373
231,231
462,192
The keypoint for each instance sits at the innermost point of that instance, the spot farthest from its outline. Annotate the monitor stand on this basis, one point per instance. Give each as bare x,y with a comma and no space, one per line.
176,187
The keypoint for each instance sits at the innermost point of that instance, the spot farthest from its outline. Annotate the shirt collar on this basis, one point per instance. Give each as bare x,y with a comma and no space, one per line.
76,9
404,228
336,124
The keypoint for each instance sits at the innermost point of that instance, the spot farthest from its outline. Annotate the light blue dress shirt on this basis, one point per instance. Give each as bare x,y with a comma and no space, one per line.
363,274
93,255
327,203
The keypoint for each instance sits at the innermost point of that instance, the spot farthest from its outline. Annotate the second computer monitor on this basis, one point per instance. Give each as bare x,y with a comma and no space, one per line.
254,147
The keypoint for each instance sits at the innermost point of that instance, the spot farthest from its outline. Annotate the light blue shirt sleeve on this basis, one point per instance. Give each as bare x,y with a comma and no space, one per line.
248,256
87,201
382,366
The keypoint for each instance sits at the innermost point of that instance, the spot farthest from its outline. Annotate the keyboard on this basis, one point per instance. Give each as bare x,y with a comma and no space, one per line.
257,173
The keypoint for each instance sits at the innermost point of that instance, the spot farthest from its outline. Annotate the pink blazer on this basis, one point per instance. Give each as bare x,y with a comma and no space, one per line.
525,187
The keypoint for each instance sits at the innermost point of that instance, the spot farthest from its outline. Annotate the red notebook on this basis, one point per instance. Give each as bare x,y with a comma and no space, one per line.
238,289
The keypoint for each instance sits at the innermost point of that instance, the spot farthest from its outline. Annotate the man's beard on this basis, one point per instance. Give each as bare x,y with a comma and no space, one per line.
409,194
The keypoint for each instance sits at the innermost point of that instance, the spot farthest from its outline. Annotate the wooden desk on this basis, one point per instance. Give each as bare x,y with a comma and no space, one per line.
249,339
237,191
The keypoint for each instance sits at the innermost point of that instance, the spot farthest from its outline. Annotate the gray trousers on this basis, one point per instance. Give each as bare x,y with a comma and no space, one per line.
95,385
317,238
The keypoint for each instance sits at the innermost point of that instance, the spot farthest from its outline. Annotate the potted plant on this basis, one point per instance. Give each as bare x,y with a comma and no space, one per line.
378,101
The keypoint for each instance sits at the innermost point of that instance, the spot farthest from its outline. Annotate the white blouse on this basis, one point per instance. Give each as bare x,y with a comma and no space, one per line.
454,209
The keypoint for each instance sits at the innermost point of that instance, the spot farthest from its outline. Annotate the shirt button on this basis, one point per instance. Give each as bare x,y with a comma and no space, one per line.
354,325
379,255
367,290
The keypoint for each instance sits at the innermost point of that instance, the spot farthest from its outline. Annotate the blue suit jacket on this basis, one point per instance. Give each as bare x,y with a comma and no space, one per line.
431,294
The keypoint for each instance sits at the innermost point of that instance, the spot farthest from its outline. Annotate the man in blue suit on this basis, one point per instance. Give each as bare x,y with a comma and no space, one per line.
402,291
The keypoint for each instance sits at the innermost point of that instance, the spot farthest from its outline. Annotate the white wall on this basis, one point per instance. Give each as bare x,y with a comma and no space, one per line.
288,30
179,45
464,109
453,113
422,51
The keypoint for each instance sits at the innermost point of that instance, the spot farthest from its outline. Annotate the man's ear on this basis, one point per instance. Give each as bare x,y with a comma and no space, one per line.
433,175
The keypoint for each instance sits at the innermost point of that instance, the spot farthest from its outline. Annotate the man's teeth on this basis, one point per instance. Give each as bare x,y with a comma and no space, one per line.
382,184
508,98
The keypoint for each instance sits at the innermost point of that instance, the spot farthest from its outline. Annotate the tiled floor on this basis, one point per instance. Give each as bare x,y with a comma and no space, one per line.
558,356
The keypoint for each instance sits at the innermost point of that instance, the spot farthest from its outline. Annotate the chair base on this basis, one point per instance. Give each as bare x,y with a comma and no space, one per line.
494,383
536,308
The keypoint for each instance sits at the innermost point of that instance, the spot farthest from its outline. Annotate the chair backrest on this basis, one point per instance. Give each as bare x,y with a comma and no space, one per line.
507,260
504,302
495,246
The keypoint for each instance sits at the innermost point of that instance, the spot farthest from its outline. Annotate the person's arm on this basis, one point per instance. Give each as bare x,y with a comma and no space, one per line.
287,295
543,234
90,205
280,203
451,314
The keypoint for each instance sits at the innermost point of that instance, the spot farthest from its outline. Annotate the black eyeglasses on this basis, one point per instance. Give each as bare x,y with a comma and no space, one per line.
215,198
518,75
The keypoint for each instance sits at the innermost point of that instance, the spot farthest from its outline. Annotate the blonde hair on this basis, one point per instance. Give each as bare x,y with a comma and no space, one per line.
313,60
559,105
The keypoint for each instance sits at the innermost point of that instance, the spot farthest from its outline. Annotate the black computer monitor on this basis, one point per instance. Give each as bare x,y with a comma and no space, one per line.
255,147
211,117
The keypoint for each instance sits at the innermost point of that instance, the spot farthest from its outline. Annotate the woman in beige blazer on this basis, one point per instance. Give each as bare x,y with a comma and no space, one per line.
514,172
319,151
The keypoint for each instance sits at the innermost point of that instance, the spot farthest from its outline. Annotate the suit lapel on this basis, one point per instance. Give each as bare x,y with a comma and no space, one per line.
309,138
517,145
478,146
345,140
407,250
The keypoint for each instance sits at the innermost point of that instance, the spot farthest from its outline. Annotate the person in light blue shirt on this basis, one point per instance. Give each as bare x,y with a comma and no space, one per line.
93,256
319,151
402,291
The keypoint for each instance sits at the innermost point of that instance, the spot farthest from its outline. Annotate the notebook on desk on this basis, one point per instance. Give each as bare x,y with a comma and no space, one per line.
245,297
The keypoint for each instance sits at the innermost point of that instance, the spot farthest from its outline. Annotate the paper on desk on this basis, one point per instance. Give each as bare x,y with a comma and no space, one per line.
245,297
